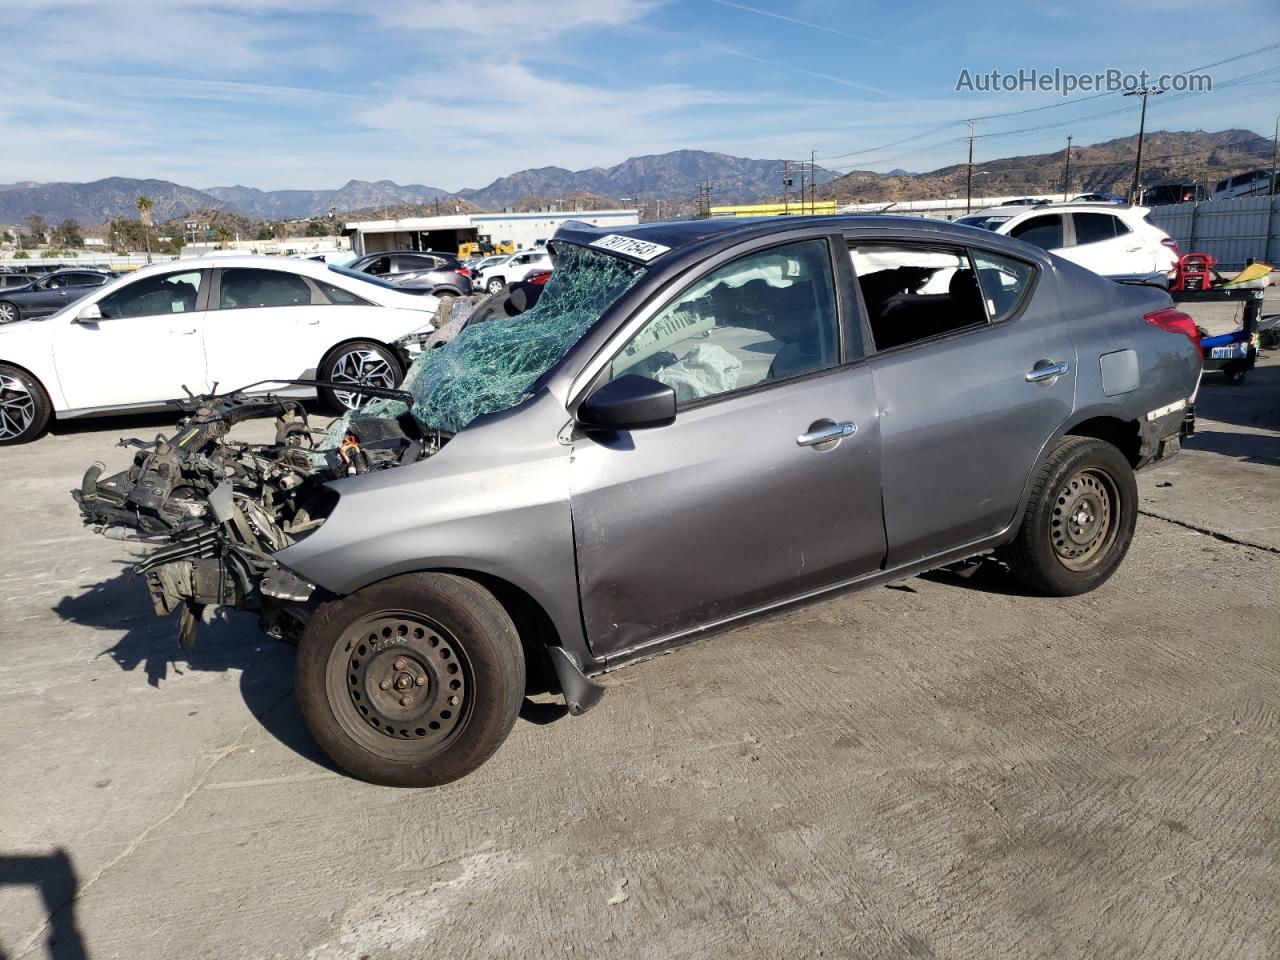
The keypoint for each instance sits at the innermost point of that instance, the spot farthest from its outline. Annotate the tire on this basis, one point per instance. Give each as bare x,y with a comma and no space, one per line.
359,362
1079,521
9,312
439,641
25,409
494,284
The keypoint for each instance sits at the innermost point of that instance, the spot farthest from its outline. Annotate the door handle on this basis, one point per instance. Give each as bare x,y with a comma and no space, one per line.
1132,249
183,333
846,428
1047,370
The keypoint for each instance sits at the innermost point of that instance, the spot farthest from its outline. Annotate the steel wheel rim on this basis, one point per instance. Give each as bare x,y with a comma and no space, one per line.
8,313
1085,519
493,286
366,368
387,658
17,407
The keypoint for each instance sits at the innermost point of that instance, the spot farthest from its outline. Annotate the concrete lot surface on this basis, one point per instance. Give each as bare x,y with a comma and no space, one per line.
949,769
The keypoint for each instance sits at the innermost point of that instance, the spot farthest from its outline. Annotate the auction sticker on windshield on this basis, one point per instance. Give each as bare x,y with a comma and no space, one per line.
629,247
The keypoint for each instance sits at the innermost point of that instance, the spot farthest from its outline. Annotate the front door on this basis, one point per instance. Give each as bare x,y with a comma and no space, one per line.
766,486
146,349
967,388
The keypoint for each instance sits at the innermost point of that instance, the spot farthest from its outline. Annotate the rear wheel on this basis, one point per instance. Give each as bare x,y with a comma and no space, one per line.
411,682
9,312
362,363
1080,519
24,406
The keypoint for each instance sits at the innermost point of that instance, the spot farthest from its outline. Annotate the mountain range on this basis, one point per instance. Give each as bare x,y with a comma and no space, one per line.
675,176
666,176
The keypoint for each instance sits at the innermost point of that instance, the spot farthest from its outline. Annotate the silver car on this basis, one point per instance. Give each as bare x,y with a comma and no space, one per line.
698,423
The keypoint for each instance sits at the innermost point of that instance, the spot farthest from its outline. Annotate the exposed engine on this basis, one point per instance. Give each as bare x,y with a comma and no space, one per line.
222,507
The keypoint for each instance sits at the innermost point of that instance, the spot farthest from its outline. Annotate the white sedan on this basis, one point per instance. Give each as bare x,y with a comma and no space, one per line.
148,338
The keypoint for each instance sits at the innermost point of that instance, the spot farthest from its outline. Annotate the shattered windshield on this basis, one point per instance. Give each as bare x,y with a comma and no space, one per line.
492,366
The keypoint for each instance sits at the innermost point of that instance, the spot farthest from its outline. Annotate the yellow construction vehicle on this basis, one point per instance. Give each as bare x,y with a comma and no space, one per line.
484,248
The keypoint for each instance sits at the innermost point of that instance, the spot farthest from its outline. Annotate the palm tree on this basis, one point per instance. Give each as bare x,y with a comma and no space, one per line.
144,205
224,234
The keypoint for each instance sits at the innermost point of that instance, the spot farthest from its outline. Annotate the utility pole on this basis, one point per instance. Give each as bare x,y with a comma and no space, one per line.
1142,92
1066,174
1275,155
704,198
968,180
802,187
813,181
786,182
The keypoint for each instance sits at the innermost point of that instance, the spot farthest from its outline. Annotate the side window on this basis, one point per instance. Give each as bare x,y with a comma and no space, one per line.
915,293
248,288
1093,227
339,296
1003,282
152,296
379,267
406,263
768,316
1044,231
1121,227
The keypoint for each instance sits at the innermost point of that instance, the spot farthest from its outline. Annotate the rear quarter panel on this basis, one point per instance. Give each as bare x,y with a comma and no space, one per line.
1105,317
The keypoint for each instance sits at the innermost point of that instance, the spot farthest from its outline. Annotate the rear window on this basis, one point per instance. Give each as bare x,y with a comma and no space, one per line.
1094,227
986,222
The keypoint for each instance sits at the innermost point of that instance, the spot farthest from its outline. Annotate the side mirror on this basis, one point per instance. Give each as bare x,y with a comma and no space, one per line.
629,403
89,313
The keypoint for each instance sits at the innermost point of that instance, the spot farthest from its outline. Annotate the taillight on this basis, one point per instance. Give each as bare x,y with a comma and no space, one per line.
1175,321
540,279
464,271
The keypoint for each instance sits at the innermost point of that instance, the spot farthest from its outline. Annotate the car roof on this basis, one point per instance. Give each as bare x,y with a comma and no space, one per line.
1097,206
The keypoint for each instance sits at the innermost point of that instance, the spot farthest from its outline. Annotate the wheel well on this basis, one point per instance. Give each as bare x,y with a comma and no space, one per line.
536,630
1124,435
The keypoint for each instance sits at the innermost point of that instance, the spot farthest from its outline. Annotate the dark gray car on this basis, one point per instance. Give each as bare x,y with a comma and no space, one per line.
698,423
48,294
441,274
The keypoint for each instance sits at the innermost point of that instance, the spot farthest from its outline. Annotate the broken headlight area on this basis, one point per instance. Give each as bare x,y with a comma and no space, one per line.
223,507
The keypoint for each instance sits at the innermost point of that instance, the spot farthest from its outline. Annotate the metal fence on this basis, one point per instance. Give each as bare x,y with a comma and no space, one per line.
1231,231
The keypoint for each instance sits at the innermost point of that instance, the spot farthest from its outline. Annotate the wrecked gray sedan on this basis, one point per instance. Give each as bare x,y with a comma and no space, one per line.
697,423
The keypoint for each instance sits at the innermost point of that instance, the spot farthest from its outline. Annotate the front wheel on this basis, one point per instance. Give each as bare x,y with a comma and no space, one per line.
1080,519
9,312
494,285
411,682
360,363
25,409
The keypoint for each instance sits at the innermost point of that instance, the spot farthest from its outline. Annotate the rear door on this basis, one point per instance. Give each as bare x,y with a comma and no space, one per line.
269,323
738,504
1104,244
962,380
146,348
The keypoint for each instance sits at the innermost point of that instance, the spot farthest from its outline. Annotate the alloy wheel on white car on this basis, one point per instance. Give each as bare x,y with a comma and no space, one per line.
17,407
362,366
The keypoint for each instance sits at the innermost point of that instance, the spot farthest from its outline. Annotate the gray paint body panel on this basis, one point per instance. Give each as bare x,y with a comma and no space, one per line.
1119,372
685,528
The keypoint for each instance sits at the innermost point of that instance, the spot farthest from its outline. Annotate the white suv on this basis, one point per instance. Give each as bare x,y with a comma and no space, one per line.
1108,239
511,269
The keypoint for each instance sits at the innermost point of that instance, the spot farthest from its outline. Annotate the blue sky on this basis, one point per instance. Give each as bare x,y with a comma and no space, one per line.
310,93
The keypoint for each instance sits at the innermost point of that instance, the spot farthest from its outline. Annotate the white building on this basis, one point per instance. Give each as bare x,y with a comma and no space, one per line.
445,233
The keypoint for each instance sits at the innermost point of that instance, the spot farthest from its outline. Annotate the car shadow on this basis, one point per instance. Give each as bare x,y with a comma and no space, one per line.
983,574
54,878
1254,403
226,641
1249,447
162,422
